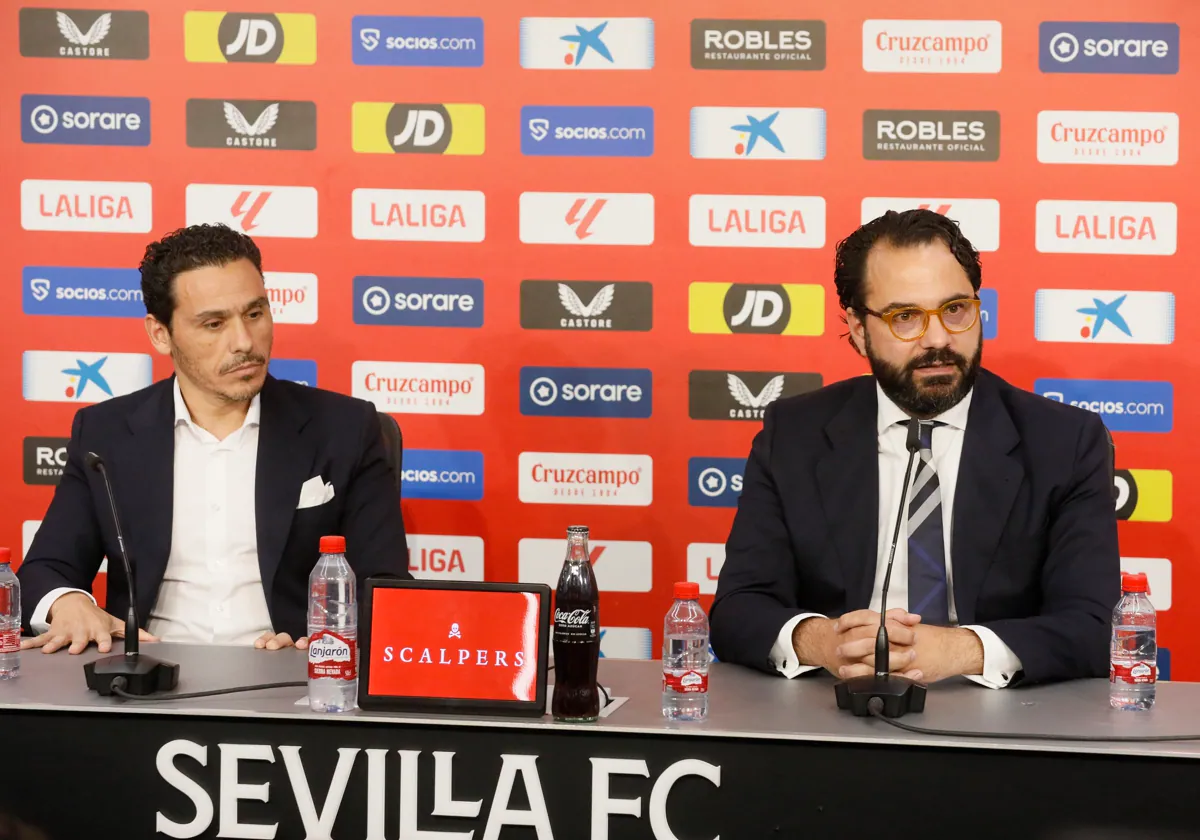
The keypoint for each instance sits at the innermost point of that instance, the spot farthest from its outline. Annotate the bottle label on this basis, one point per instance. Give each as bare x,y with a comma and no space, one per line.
10,640
576,626
685,682
331,656
1139,673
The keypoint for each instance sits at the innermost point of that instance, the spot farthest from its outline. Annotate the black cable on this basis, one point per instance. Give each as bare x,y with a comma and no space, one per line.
120,691
875,707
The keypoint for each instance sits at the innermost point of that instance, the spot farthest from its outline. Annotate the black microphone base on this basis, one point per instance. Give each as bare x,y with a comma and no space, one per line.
900,695
142,674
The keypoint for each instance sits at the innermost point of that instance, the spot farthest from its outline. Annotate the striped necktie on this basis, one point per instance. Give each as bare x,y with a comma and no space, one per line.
928,595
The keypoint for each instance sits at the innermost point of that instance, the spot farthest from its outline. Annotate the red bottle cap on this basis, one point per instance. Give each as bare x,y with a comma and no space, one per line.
1134,582
687,590
333,545
5,555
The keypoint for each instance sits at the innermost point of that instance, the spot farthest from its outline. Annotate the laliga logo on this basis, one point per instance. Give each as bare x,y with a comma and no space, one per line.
574,618
539,128
369,38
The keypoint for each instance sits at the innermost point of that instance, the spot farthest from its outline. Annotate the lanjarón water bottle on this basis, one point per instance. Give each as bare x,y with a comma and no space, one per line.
685,656
332,631
1133,667
10,618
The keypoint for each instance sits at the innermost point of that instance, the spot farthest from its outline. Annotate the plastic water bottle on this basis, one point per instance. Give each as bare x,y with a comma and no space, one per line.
10,618
332,631
1133,668
685,656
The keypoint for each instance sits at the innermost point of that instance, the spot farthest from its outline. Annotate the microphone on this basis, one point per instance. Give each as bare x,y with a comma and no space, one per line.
899,695
129,672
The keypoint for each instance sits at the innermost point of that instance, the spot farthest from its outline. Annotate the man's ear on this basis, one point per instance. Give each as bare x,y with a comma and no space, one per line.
858,332
160,336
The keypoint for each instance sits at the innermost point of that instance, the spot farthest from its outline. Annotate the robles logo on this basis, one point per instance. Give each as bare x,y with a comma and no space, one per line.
578,478
420,388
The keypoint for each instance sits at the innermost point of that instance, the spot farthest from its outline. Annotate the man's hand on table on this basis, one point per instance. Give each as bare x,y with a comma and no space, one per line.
76,622
845,646
278,641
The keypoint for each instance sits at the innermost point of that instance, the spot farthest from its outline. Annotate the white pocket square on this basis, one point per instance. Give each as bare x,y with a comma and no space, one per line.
316,491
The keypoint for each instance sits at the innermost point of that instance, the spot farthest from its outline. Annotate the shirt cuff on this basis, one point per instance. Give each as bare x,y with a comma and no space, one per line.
1000,664
37,622
783,652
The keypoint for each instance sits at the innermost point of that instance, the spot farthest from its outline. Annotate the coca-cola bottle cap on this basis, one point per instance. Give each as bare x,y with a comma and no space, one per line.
333,545
577,529
687,590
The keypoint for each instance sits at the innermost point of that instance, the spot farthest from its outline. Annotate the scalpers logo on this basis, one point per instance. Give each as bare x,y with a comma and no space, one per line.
479,657
84,33
587,43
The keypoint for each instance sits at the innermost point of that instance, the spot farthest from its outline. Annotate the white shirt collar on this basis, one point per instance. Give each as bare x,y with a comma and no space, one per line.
890,414
182,415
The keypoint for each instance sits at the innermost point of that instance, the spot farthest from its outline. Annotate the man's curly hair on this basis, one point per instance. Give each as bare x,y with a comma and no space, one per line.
195,246
900,230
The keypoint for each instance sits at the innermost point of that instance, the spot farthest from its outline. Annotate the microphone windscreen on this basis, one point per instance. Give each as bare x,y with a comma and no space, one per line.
93,461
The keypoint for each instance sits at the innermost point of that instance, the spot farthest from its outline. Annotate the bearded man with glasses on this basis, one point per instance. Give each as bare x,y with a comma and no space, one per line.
1006,568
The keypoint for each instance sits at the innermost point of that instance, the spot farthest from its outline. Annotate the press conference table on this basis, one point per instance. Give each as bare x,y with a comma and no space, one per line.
775,759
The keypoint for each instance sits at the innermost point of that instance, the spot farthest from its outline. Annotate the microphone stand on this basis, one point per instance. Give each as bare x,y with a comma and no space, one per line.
898,695
129,672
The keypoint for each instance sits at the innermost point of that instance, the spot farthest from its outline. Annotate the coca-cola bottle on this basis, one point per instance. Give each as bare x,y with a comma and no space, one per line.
576,634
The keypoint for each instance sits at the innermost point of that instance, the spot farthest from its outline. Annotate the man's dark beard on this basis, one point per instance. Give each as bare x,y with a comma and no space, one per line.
937,393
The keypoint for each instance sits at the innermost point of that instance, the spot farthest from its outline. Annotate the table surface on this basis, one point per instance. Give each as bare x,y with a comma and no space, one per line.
742,704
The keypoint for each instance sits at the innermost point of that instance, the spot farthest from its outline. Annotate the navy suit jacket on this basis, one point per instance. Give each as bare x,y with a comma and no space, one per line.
303,432
1034,543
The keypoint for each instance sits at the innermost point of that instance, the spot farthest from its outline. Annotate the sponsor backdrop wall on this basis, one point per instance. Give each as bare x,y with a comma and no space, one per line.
577,290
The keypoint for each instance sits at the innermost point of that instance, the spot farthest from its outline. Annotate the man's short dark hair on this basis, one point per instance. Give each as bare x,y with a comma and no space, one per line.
900,230
195,246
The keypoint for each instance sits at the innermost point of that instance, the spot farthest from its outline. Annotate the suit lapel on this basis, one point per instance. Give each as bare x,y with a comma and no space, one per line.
151,491
988,480
285,460
848,480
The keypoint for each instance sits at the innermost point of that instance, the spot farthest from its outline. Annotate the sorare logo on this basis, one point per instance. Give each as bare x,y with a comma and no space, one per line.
762,308
259,38
418,301
1094,316
587,43
399,41
1123,405
446,474
1142,495
420,128
85,120
300,371
86,292
1108,47
587,130
84,33
586,392
715,482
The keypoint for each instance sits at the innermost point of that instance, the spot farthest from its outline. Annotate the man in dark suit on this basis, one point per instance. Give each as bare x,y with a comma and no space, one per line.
225,477
1006,567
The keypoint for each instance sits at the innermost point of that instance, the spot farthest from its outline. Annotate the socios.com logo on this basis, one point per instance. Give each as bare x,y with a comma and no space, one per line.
989,312
442,474
586,392
715,482
587,131
85,120
417,41
1124,406
86,292
418,301
1094,47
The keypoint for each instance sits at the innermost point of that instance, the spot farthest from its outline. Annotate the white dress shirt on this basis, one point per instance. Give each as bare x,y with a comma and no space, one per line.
211,591
1000,664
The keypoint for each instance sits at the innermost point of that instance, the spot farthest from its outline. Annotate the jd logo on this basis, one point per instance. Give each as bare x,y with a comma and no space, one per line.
756,309
419,128
246,37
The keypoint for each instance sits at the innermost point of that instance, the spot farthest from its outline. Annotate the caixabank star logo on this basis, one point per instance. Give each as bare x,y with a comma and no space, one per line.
261,38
